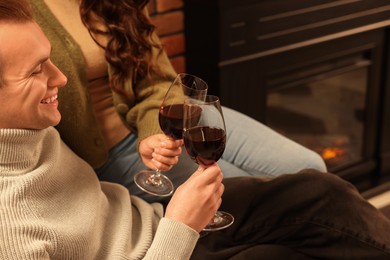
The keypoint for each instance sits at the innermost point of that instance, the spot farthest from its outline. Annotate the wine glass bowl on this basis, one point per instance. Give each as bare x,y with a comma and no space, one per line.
204,135
171,110
205,144
170,119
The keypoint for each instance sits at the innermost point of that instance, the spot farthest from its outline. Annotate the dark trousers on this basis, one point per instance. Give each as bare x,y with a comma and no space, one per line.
300,216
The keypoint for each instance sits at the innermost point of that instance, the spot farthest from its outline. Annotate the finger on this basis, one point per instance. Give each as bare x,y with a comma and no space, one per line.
208,177
200,170
214,174
170,144
218,204
161,166
168,152
218,197
180,142
217,190
220,190
169,160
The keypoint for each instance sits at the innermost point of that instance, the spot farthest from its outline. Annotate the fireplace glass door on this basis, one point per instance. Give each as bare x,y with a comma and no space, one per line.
322,108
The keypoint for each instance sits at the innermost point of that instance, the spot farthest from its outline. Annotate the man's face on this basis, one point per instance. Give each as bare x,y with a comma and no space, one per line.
29,80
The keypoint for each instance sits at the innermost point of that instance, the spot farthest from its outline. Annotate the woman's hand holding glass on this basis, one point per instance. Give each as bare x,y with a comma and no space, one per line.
171,123
158,152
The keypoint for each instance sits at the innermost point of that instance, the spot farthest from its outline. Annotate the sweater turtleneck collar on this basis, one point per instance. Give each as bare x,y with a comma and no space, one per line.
20,149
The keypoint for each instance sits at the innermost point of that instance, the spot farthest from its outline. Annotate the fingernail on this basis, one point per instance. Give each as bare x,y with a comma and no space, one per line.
163,144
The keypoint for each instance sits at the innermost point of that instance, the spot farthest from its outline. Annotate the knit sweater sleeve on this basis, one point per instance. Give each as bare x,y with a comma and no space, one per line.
149,92
166,244
145,96
152,93
140,109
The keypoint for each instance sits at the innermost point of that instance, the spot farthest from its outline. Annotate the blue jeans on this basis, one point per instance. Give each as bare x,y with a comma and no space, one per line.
252,149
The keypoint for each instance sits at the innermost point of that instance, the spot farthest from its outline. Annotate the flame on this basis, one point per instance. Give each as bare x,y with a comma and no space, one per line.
331,152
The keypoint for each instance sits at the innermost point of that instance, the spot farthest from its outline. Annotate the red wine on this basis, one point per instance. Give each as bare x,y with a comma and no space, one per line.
171,120
205,145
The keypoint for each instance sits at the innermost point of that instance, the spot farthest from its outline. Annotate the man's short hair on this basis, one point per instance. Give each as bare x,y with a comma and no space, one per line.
13,11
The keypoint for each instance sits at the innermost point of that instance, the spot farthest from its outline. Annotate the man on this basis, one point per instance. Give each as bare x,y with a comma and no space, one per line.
52,205
42,222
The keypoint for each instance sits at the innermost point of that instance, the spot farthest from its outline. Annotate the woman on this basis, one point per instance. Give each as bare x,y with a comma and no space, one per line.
117,79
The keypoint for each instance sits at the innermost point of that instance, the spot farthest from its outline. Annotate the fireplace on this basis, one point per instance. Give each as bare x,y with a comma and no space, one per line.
316,71
325,113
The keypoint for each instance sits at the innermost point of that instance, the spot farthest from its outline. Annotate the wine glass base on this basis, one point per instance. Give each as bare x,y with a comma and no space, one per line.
221,220
148,182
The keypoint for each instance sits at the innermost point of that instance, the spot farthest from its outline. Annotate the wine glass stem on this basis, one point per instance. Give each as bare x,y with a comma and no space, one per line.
216,218
155,179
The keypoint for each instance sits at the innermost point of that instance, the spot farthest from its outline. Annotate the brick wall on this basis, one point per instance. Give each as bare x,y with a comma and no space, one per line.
168,17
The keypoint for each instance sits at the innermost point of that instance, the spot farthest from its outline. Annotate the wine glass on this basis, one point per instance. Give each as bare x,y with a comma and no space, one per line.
204,135
171,123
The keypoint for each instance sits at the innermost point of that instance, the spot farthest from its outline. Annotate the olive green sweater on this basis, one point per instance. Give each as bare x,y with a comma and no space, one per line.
52,206
79,128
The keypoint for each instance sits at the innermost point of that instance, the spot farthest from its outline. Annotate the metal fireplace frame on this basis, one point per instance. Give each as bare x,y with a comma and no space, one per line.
238,45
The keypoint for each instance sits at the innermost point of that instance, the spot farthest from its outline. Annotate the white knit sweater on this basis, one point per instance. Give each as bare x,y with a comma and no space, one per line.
52,206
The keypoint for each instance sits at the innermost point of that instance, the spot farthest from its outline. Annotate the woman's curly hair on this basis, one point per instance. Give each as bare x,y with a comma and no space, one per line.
129,31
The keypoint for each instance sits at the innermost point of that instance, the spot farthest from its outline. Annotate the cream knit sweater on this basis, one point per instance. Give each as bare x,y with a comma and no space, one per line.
52,206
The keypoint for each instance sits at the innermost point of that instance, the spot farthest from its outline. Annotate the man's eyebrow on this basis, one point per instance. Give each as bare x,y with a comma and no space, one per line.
41,60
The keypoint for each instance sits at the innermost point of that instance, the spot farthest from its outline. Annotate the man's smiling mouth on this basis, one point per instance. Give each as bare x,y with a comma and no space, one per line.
49,100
